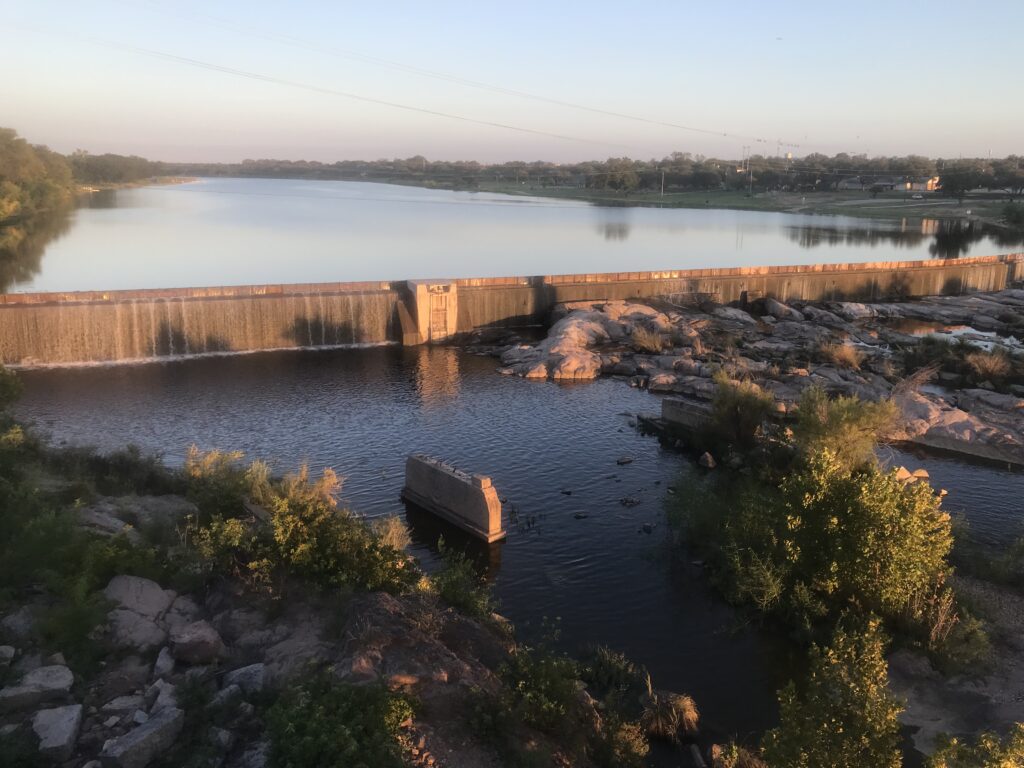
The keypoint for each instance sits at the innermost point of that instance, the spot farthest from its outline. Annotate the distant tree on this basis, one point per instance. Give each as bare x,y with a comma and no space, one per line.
32,178
959,177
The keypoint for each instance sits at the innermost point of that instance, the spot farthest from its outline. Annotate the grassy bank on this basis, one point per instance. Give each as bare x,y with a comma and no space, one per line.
885,205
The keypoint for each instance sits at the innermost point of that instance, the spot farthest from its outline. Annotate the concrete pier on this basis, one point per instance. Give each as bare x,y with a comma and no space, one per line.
468,501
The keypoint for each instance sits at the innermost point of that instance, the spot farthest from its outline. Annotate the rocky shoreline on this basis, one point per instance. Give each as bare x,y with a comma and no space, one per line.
867,350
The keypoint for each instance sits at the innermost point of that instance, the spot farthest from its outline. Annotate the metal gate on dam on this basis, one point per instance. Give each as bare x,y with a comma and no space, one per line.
153,324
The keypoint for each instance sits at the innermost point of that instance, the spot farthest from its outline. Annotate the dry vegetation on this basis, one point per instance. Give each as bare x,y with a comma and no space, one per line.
842,355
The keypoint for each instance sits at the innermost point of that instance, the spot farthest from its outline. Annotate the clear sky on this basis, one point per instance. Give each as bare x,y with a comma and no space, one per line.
896,77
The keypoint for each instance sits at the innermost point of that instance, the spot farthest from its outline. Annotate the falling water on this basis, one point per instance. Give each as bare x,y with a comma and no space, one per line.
70,333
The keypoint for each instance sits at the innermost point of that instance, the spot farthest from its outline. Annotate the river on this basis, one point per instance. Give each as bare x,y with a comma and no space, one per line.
245,231
575,551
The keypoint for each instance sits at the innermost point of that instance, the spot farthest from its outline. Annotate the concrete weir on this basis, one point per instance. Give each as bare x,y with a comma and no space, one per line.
111,326
468,501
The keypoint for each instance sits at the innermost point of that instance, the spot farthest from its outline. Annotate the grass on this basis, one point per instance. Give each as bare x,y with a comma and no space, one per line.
841,355
647,340
887,205
989,366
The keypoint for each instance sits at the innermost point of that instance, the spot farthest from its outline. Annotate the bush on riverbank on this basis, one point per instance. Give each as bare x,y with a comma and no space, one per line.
738,413
328,724
988,751
295,531
844,716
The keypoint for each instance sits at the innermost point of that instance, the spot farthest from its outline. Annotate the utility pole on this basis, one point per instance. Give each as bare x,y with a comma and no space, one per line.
662,182
750,177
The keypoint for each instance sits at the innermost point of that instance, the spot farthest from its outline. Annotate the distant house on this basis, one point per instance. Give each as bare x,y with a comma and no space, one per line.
889,183
922,184
886,183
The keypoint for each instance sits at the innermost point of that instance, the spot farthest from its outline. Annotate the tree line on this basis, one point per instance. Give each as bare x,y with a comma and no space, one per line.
34,178
677,172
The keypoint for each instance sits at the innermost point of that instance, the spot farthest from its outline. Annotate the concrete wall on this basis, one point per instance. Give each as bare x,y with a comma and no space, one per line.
99,326
468,501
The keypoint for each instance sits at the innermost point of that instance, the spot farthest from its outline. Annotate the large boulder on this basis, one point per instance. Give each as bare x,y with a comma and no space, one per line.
141,604
141,596
250,679
734,314
57,730
781,311
141,745
196,643
579,365
37,687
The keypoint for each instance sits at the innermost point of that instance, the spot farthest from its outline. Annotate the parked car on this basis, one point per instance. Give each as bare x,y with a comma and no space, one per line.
917,197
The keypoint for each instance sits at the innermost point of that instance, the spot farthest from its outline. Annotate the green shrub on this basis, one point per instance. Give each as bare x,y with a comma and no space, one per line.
738,411
622,744
307,537
327,724
612,677
845,716
459,584
847,426
217,482
543,688
824,538
733,755
989,751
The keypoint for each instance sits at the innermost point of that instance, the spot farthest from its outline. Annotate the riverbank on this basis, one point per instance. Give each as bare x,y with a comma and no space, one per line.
214,616
890,206
89,189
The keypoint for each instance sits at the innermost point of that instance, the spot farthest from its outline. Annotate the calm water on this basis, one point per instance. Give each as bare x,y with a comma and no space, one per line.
238,231
363,411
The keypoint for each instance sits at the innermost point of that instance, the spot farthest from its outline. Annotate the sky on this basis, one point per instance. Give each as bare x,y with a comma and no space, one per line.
217,80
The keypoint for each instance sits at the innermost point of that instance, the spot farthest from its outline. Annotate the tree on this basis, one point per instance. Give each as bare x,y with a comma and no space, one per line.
958,178
988,752
845,716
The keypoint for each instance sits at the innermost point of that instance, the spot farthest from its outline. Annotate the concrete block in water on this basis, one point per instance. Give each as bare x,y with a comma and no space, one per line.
468,501
685,414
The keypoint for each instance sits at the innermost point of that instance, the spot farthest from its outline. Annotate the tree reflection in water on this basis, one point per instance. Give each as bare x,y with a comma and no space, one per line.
950,238
23,243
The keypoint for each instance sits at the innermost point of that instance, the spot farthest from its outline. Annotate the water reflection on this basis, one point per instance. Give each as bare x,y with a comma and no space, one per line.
613,223
946,238
22,245
437,376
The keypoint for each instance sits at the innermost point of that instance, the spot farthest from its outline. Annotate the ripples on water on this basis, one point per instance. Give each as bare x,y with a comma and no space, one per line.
363,411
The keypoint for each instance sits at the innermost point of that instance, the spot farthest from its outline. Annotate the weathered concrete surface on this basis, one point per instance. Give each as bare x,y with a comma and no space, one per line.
468,501
98,326
689,415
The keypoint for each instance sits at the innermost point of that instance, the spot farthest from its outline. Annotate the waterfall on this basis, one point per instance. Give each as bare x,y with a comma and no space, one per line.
61,333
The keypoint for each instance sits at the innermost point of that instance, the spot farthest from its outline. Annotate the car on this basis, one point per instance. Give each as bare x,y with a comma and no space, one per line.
917,197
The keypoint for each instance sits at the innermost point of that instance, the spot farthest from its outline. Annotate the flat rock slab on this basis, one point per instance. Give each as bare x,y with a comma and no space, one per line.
57,730
141,596
37,687
141,745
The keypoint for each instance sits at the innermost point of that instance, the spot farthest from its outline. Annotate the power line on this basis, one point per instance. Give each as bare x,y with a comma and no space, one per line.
327,91
420,71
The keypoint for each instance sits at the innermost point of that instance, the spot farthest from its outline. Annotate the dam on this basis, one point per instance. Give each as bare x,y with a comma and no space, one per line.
91,327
